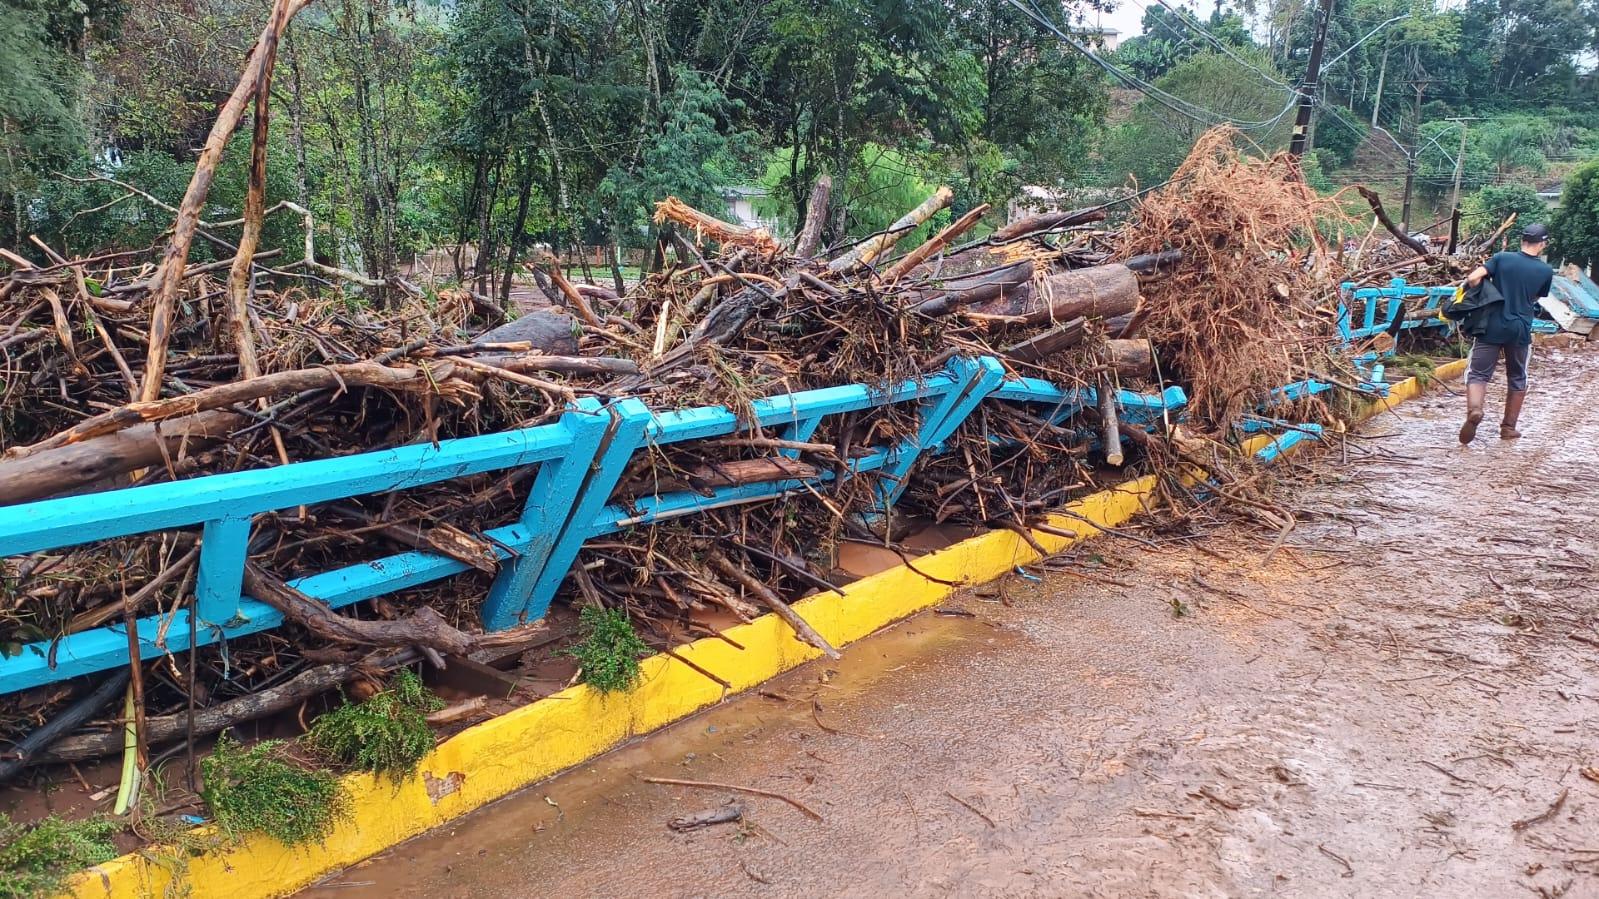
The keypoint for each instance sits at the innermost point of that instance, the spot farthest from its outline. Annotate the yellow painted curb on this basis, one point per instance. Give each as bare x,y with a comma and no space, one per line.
502,755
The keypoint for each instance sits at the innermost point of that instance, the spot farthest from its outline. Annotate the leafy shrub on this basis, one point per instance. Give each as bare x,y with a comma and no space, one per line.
259,790
609,652
386,734
35,860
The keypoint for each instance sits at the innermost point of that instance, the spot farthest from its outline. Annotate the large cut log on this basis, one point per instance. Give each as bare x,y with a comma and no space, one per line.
1131,358
553,332
76,466
1102,291
878,244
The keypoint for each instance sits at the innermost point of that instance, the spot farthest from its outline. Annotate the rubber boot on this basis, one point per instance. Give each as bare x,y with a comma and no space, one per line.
1513,401
1476,398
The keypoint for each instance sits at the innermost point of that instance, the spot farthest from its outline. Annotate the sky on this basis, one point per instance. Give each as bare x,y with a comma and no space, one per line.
1126,18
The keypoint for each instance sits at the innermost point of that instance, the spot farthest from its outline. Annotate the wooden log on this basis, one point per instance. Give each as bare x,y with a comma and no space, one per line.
937,242
802,629
543,329
70,468
38,743
1382,216
1154,263
525,363
815,217
355,374
1000,285
1102,291
672,209
736,473
1131,358
1048,221
424,628
880,243
1110,424
1048,343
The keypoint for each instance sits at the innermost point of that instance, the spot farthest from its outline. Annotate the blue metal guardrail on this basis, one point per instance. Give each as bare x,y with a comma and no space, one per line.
580,458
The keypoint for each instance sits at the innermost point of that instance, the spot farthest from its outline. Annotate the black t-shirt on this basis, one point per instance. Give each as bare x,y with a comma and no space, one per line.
1522,279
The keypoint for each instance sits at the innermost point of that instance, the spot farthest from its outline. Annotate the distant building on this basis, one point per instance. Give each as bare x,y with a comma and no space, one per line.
741,201
1108,38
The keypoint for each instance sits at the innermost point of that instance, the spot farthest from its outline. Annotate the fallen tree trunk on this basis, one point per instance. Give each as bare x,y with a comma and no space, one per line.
1382,216
53,472
878,244
1102,291
37,745
978,288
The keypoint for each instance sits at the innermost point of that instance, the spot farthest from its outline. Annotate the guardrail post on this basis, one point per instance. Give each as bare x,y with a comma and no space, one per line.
973,380
224,543
551,497
630,422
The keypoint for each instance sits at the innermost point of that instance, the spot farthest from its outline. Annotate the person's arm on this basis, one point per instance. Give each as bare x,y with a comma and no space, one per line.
1476,276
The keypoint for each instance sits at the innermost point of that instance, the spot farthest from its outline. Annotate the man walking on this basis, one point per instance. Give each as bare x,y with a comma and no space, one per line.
1522,278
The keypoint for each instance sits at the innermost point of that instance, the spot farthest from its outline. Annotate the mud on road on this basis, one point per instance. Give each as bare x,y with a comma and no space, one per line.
1403,702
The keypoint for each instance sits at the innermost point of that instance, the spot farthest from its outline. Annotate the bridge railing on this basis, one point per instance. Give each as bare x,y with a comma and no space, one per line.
580,460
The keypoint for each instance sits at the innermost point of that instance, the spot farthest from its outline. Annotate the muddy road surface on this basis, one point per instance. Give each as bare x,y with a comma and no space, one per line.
1403,701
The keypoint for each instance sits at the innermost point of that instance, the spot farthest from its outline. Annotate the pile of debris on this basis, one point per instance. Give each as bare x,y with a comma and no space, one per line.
121,371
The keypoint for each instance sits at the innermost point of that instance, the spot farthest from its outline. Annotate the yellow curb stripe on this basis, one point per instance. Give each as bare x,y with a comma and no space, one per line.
490,760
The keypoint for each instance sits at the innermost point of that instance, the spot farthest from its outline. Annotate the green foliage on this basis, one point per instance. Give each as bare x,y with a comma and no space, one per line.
35,859
259,790
1338,140
1315,169
608,650
1156,139
386,734
1488,207
1575,230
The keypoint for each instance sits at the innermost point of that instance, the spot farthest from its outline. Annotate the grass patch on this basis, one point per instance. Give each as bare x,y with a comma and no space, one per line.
609,649
36,860
260,790
387,734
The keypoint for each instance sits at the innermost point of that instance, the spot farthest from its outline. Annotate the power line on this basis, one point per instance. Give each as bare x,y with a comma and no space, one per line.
1170,101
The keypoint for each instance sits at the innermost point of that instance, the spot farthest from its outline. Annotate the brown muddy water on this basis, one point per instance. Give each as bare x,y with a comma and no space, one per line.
1404,701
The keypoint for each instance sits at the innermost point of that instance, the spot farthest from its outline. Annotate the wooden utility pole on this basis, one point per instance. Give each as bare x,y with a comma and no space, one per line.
1308,86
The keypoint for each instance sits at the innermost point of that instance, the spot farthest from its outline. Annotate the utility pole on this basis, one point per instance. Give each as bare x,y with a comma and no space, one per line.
1454,201
1410,157
1308,87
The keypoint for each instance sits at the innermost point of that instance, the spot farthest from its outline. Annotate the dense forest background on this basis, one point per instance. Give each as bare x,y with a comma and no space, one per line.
404,126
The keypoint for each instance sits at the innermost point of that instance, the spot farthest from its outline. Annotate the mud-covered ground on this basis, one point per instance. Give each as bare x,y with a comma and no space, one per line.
1403,702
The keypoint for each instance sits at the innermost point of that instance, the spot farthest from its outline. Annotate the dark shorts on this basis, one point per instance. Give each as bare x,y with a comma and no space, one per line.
1485,358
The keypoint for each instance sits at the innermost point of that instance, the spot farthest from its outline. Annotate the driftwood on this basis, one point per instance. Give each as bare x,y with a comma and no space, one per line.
802,629
1048,343
1110,426
187,224
1382,216
355,374
1101,291
425,627
53,472
937,242
878,244
1049,221
543,329
704,478
672,209
1000,285
38,743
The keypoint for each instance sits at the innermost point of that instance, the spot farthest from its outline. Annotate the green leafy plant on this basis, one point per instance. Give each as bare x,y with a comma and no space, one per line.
34,860
260,790
386,734
609,651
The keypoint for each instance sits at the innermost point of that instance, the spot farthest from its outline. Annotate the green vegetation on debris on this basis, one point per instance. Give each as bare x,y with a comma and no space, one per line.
386,734
260,789
36,859
609,650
